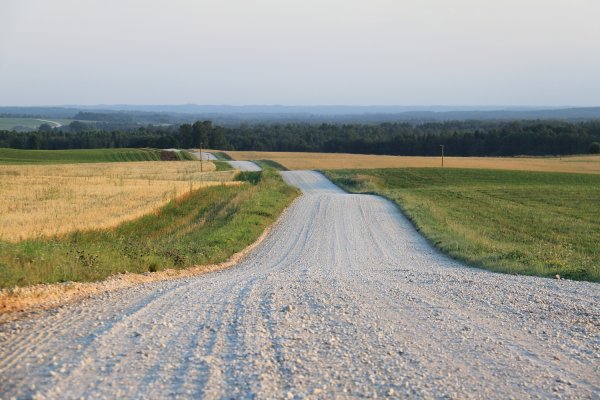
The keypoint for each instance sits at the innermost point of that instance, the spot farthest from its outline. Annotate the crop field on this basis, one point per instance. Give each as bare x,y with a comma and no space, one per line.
15,156
203,225
10,123
578,164
43,200
511,221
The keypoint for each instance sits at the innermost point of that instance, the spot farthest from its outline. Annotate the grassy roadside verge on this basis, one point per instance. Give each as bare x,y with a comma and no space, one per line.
15,156
206,226
264,164
520,222
221,155
222,166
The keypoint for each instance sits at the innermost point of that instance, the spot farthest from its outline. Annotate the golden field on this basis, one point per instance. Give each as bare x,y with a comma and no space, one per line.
45,200
581,164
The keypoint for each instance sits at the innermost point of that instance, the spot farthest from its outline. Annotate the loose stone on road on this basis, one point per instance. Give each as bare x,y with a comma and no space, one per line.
343,299
204,156
244,165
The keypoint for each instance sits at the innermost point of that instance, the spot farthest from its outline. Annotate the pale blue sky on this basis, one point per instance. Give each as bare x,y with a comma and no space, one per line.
357,52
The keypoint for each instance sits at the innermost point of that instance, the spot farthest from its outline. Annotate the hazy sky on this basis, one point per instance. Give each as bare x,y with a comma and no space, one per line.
359,52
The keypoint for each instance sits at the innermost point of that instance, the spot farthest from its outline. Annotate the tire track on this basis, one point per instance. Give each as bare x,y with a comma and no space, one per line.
344,299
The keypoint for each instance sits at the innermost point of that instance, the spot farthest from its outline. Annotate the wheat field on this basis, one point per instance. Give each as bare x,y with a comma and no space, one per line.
44,200
580,164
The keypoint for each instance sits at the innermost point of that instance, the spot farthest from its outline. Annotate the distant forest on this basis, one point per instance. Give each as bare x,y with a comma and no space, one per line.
460,138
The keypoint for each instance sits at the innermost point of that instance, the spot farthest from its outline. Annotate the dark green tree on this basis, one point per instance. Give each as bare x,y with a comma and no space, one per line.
78,126
45,128
185,136
33,141
200,133
219,141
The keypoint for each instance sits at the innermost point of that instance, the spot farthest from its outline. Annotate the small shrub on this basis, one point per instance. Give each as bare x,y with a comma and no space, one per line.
252,177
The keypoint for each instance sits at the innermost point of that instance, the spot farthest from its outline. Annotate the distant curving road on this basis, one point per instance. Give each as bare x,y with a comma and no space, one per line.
343,299
53,123
244,165
205,155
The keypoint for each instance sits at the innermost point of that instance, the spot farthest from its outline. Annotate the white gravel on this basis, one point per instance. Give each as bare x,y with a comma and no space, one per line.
205,156
244,165
344,299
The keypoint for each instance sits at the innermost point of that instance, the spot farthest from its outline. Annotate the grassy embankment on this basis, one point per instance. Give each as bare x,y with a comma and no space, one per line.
14,156
577,164
204,226
264,164
222,166
509,221
221,155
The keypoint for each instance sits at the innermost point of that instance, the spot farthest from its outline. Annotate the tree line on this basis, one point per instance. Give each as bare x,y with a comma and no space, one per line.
460,138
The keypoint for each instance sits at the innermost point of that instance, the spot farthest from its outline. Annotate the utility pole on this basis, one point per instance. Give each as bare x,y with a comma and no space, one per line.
201,157
442,146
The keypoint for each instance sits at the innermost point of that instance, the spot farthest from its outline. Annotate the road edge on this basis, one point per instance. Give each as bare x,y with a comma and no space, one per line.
23,302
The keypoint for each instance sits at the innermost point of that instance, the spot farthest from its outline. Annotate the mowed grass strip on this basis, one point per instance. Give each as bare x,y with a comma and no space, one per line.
264,164
205,226
298,161
509,221
16,156
45,200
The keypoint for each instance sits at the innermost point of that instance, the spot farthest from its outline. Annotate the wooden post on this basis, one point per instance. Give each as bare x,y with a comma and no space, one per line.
201,158
442,146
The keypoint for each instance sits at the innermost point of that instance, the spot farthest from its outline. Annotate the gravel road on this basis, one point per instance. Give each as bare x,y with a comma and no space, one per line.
343,299
53,123
244,165
205,156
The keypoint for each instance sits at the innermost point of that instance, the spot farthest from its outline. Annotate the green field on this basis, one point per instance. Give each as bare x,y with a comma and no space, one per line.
532,223
207,226
14,156
10,123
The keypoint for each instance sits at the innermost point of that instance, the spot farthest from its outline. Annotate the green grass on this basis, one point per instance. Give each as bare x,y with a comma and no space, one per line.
253,177
182,155
206,226
221,155
222,166
532,223
14,156
264,164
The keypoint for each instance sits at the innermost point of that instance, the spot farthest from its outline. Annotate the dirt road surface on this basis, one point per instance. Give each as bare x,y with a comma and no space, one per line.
244,165
343,299
205,156
53,123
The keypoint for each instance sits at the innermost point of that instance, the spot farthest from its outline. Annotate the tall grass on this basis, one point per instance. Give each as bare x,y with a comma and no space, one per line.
204,226
43,200
510,221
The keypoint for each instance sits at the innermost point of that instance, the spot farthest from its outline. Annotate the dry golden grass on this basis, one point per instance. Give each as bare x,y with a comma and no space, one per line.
45,200
582,164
